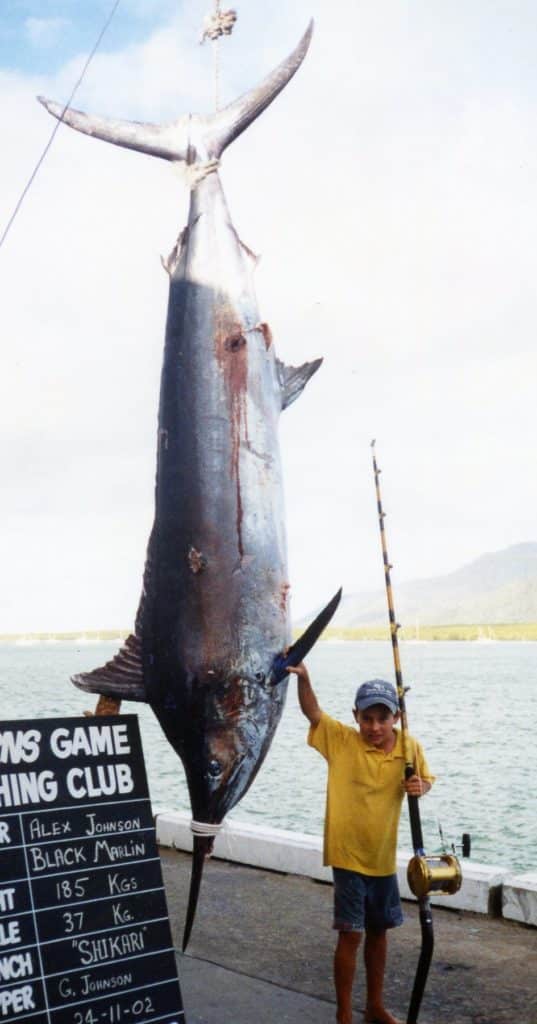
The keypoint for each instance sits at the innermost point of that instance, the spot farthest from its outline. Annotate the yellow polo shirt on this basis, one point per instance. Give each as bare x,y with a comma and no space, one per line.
363,798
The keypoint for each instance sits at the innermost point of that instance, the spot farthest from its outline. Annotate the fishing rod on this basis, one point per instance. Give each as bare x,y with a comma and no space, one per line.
440,873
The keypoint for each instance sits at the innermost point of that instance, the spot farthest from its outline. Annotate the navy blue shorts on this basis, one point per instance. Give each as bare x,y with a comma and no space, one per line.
367,902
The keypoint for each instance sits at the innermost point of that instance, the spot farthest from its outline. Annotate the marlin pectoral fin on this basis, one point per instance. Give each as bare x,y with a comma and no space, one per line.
303,645
293,379
122,677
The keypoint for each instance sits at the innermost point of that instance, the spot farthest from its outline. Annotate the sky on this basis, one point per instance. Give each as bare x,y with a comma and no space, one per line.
391,191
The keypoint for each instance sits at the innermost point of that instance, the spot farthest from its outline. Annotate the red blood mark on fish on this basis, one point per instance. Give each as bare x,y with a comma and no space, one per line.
284,596
233,701
232,354
267,334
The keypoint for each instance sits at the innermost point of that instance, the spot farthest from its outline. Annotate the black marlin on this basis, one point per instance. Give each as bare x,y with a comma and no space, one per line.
212,636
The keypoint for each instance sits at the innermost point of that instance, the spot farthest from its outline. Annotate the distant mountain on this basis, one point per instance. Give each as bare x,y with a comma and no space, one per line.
500,586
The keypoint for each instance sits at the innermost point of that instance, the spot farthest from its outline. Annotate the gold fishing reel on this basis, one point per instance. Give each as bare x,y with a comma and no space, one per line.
441,873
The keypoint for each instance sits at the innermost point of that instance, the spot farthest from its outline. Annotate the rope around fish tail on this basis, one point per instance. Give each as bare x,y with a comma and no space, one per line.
215,26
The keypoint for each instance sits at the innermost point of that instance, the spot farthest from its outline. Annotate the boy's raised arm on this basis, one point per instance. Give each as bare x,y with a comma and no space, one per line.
306,695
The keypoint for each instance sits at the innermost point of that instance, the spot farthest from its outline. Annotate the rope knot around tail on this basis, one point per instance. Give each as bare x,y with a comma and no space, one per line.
193,174
219,24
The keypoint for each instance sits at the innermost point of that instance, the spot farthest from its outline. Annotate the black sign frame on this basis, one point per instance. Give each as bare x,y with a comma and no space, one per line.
84,930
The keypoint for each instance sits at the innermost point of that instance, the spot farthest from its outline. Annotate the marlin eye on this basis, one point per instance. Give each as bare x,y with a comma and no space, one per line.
260,677
214,768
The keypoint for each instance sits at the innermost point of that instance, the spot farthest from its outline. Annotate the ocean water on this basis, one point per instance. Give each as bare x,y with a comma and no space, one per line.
472,705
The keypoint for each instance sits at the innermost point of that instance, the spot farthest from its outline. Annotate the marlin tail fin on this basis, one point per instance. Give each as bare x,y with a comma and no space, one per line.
193,139
230,122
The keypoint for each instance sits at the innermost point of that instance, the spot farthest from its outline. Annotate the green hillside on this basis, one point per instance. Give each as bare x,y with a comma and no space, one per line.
493,597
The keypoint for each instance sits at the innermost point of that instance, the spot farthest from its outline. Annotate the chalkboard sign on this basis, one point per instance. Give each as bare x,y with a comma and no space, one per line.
84,930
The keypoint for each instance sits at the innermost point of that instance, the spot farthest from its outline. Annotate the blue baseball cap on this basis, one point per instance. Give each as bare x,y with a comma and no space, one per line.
376,691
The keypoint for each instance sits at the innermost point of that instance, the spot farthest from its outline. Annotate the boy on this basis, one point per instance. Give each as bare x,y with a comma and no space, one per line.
365,790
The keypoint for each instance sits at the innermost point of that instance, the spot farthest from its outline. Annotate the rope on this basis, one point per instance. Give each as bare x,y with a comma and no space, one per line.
192,174
214,27
58,123
218,24
203,828
216,59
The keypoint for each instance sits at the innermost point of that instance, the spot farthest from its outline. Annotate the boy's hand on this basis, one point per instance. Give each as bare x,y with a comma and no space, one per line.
300,671
415,786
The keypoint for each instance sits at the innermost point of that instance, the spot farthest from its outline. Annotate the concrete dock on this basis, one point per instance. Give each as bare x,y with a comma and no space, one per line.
262,945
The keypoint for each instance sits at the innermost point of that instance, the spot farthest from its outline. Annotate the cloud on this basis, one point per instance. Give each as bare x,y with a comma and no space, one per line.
43,33
391,193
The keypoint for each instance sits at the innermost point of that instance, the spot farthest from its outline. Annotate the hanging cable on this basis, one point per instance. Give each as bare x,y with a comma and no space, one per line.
58,123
